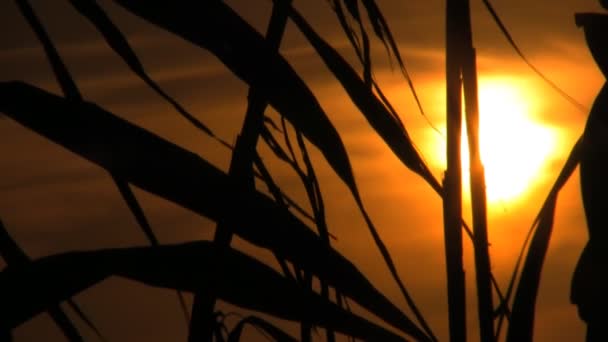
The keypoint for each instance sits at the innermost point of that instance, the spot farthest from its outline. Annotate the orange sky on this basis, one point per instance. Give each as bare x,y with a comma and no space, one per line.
53,201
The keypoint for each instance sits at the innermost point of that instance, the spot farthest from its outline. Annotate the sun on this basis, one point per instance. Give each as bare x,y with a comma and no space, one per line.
514,147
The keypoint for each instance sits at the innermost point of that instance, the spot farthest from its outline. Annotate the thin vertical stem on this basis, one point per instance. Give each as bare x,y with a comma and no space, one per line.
452,202
485,304
202,322
478,201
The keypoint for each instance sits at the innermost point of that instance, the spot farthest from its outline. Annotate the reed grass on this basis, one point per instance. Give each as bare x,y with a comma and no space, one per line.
299,238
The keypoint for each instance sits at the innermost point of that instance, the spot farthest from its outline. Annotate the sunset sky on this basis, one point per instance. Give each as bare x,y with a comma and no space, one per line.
54,201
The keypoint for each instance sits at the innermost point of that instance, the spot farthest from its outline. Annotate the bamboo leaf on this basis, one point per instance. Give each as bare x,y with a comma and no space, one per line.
60,70
259,323
71,91
521,326
64,275
214,26
379,117
241,172
383,32
523,57
382,121
14,256
162,168
119,43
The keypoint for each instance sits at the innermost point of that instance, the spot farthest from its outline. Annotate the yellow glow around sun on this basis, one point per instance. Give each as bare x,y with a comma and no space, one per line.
513,146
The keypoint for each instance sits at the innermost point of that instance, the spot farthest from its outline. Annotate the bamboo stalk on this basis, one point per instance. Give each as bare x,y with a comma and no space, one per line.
202,322
485,306
478,202
452,202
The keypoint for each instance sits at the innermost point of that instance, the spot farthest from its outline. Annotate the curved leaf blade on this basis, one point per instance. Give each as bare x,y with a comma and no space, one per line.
14,256
214,26
162,168
64,275
119,43
394,135
274,331
521,326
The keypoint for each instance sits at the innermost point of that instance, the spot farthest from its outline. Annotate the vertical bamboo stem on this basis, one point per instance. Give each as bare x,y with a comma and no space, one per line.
485,304
202,321
452,203
478,202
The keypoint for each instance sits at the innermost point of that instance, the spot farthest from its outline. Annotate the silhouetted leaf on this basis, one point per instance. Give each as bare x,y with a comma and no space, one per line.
118,42
381,120
521,327
537,71
64,275
65,80
269,328
589,290
241,172
71,91
214,26
395,136
164,169
14,256
595,26
383,32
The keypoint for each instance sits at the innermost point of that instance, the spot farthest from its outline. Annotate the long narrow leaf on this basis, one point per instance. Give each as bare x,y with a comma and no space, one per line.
60,70
383,32
214,26
370,106
241,172
71,91
14,256
521,326
119,43
523,57
64,275
269,328
381,120
162,168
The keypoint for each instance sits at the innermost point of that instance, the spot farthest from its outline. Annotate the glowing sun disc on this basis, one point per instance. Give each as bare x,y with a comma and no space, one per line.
513,146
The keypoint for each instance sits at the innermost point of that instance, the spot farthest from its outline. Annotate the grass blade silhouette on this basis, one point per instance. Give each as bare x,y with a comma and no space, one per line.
71,91
589,288
376,114
60,71
133,154
370,106
241,171
269,328
515,47
169,266
362,53
521,326
214,26
383,32
247,55
524,302
119,43
14,256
